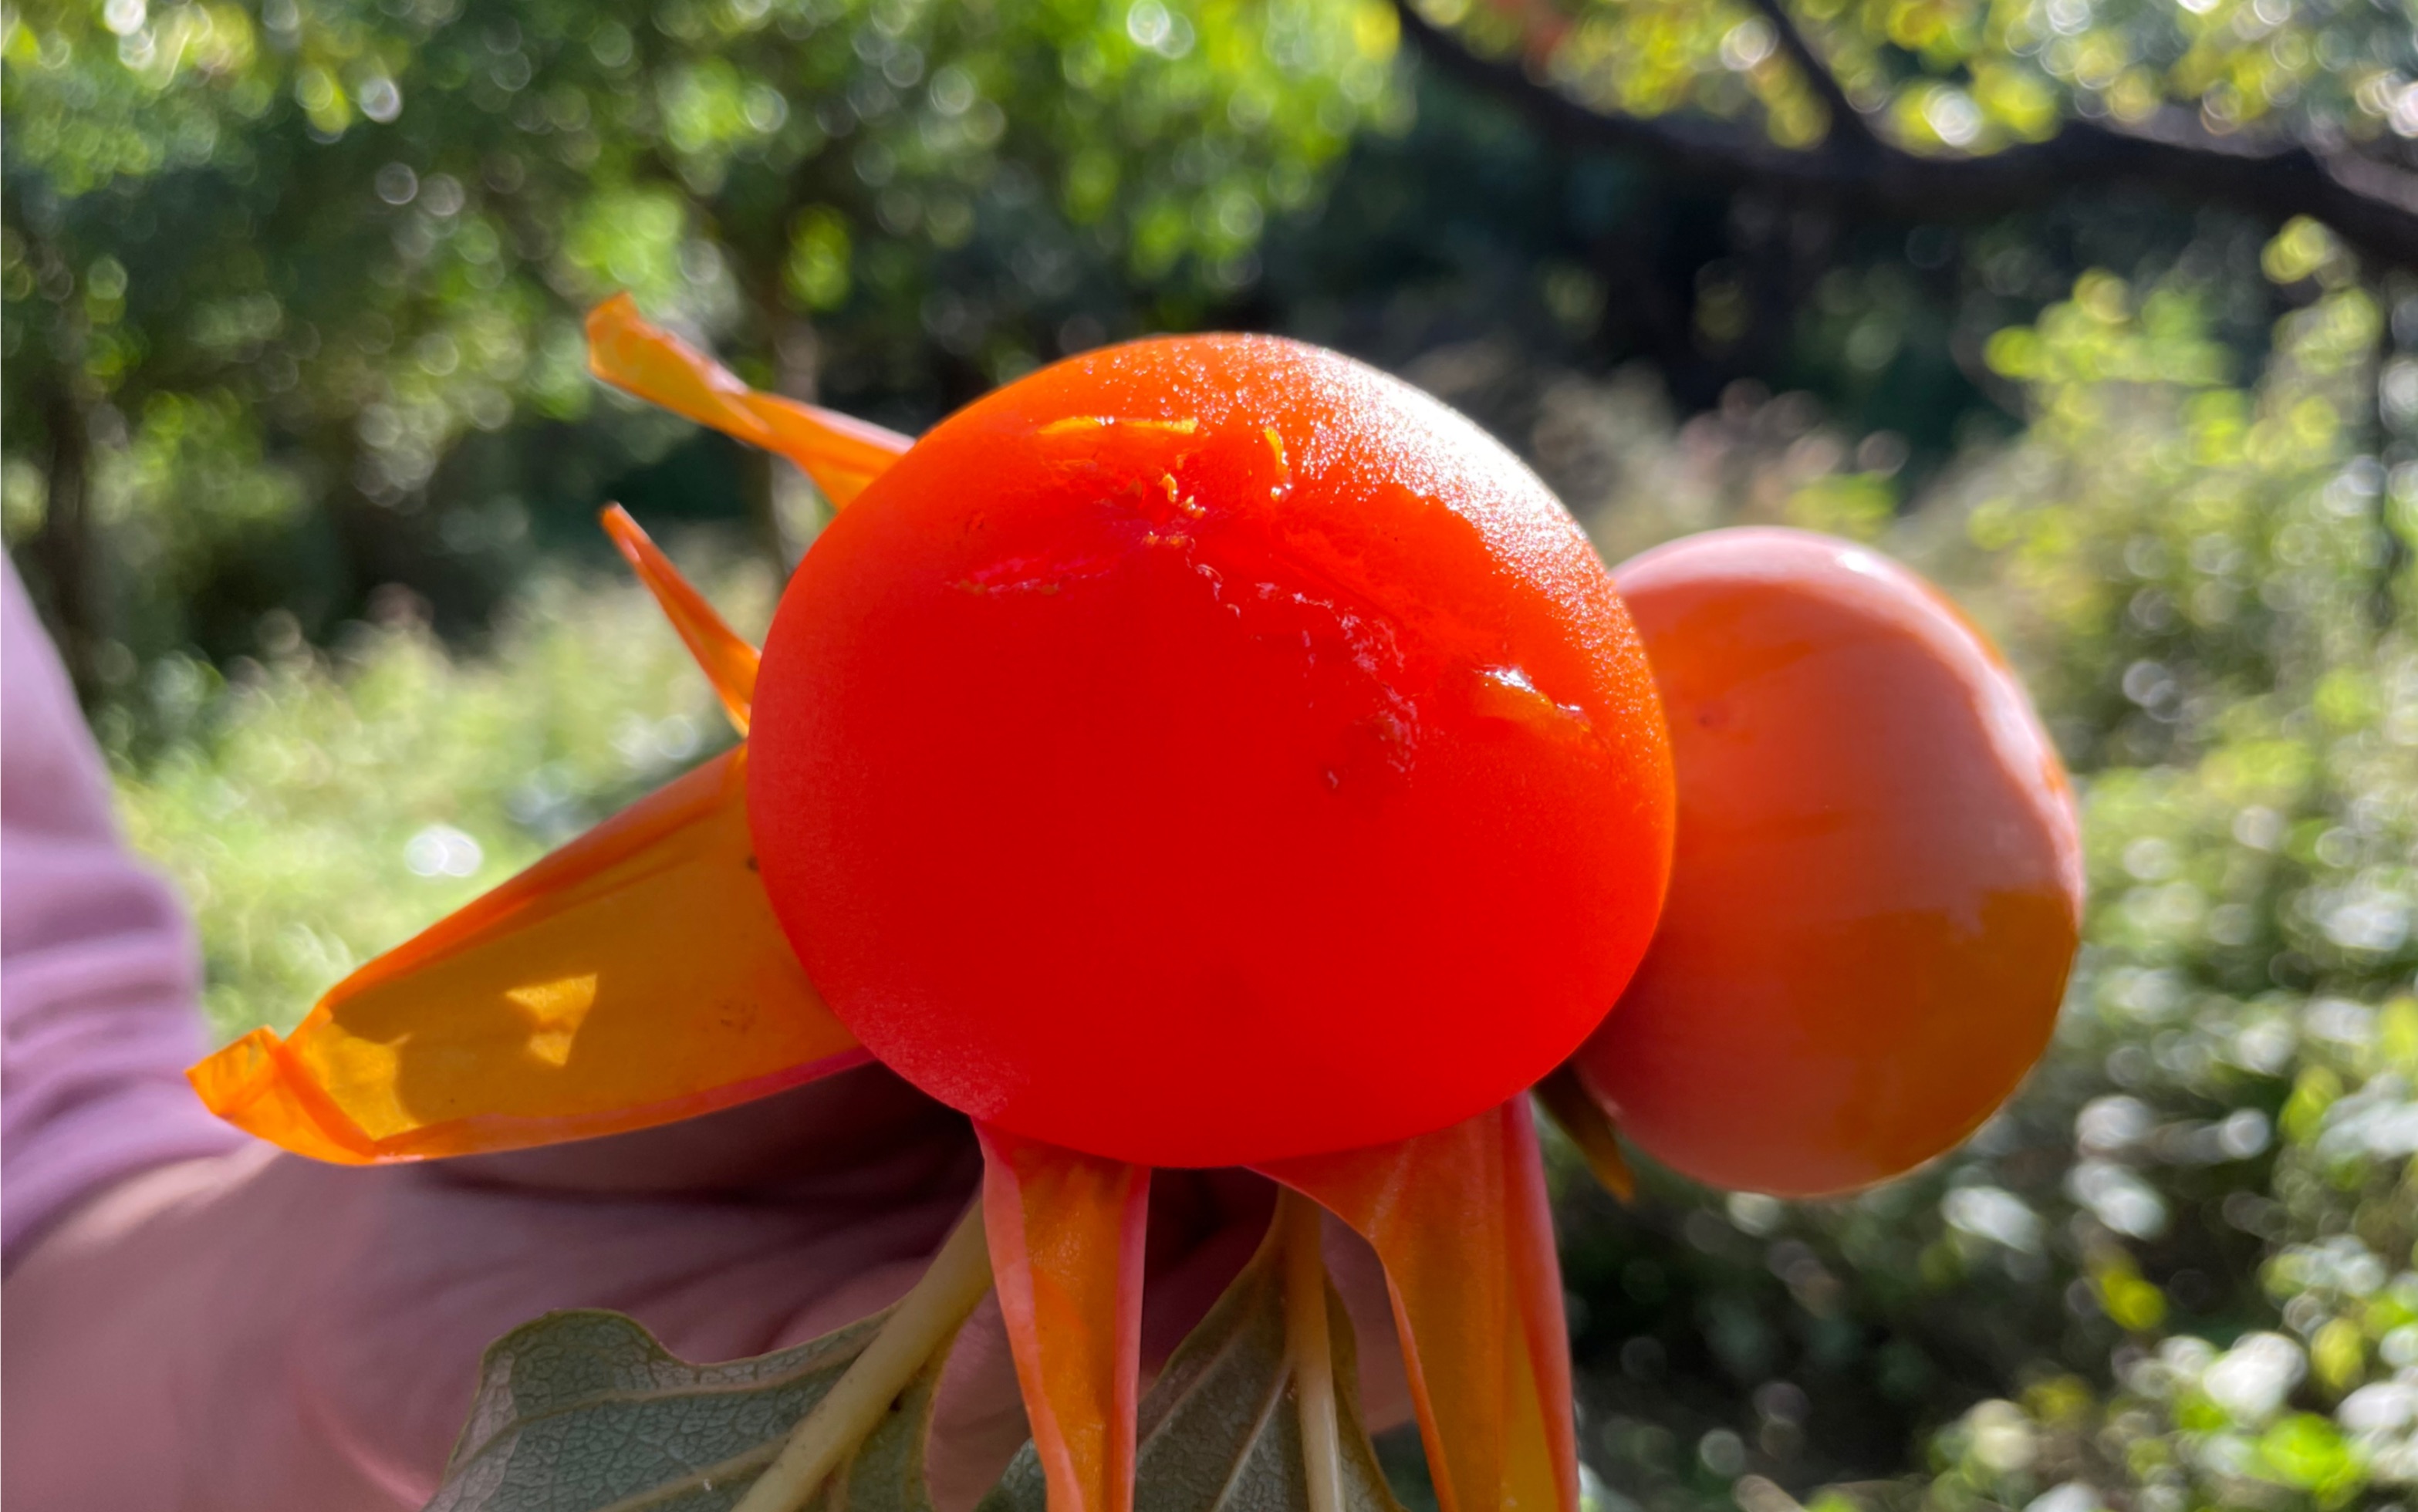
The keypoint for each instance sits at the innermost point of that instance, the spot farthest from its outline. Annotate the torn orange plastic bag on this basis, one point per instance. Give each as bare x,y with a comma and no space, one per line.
1065,1233
840,453
1460,1219
729,662
635,976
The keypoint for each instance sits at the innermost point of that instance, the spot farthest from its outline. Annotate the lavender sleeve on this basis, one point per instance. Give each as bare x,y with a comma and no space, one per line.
98,975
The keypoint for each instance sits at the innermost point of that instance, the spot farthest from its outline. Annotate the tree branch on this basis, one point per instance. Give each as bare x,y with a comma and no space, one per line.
2371,204
1848,126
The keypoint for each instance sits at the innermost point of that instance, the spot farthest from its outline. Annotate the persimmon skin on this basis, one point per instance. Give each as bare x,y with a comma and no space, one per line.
1209,750
1878,883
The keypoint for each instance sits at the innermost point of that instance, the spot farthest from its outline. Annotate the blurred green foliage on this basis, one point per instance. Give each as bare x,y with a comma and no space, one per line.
317,807
2179,1271
298,451
1976,75
265,270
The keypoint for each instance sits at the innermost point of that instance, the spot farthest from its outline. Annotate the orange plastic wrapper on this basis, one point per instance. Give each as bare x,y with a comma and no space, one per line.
1065,1233
840,453
1460,1219
729,663
636,976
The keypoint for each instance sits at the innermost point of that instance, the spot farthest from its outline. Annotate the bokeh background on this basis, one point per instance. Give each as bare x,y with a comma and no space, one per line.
2101,311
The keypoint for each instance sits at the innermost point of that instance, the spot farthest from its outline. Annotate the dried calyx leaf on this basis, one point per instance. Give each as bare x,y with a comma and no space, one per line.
1576,1112
1222,1429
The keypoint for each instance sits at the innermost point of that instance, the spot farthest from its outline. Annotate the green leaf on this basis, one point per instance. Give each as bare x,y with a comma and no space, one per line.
886,1473
583,1411
2308,1452
1221,1429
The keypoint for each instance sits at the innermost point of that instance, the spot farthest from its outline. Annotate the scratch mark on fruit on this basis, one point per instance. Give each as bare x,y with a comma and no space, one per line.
1506,693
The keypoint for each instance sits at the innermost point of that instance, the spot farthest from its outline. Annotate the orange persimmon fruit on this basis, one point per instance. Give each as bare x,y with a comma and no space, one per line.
1207,751
1877,881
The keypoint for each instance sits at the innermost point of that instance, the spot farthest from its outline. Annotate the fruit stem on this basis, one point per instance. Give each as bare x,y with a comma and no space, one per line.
1590,1128
923,1320
1313,1350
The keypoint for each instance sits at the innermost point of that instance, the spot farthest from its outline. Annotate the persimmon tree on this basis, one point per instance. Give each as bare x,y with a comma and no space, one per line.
1965,111
268,268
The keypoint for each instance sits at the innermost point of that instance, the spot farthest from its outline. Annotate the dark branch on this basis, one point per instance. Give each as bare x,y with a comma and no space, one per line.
1848,126
2371,204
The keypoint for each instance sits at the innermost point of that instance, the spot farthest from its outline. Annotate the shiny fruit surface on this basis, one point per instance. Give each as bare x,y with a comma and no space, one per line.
1877,879
1208,750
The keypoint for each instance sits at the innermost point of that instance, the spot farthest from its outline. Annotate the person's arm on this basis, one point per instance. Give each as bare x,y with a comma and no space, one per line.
99,980
197,1322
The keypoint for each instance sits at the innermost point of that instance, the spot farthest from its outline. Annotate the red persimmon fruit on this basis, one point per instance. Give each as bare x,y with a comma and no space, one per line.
1208,750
